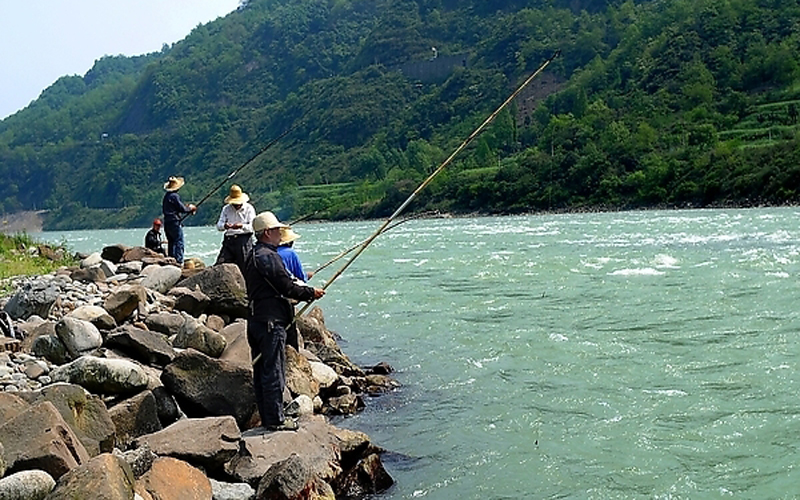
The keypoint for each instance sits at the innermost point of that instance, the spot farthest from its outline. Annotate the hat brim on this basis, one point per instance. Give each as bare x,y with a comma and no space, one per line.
179,182
288,236
239,200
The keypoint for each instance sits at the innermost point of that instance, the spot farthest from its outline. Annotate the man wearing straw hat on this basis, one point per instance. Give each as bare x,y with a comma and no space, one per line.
174,210
236,220
269,286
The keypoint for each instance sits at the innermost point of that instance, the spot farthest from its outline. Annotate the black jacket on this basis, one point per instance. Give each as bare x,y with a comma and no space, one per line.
269,285
152,240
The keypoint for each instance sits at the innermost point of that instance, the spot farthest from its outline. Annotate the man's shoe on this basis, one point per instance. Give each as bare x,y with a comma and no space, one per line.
287,425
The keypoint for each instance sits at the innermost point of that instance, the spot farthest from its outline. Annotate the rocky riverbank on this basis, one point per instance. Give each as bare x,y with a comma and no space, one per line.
130,377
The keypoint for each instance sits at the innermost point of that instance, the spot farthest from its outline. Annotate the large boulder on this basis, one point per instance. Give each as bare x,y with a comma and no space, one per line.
225,286
86,414
11,405
106,476
299,374
34,298
204,386
316,441
138,253
195,335
204,442
135,417
38,438
27,485
103,376
368,477
173,479
144,346
122,302
160,278
78,336
50,348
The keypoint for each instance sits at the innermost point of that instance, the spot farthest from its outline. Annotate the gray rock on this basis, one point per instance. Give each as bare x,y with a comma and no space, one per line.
301,406
135,417
192,301
195,335
140,460
204,386
323,374
293,477
34,298
133,267
203,442
142,345
160,278
92,260
108,268
368,477
167,323
224,285
50,348
27,485
95,315
103,376
88,275
232,491
78,336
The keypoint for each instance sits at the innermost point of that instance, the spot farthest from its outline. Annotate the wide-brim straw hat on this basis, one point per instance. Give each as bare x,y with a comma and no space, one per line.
173,184
266,220
236,196
288,236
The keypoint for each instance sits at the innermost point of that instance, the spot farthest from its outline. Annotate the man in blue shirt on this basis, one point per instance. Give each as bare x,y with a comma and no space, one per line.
289,256
174,210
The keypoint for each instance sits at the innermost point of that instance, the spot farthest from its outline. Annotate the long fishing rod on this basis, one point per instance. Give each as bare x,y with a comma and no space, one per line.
345,252
427,181
252,158
430,178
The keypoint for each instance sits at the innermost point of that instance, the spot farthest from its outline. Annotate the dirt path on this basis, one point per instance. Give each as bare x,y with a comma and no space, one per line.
28,222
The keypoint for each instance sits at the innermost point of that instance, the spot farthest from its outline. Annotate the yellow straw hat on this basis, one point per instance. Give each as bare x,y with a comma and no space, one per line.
288,236
173,184
236,196
266,220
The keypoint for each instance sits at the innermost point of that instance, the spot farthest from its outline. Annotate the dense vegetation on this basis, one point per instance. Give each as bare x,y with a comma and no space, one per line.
652,103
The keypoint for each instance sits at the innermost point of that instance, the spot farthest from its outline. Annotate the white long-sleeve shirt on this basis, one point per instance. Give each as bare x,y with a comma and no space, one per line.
230,215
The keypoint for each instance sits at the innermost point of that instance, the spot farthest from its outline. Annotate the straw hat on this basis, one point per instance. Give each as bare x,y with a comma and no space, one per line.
266,220
173,184
288,236
236,196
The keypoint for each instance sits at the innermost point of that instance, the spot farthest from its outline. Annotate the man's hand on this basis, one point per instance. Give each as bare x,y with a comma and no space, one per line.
192,208
318,293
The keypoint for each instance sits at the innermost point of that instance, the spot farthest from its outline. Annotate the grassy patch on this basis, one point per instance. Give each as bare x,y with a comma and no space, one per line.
21,255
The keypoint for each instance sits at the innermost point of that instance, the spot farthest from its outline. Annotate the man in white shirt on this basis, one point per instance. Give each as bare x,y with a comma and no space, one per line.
236,220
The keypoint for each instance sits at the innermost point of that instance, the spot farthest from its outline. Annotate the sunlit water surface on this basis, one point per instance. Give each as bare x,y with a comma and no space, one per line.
616,355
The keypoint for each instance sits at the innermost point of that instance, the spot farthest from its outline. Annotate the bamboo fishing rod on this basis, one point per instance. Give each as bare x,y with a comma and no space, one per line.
346,252
252,158
430,178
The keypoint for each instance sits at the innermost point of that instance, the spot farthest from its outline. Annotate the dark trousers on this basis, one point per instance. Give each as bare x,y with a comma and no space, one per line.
235,249
174,233
269,378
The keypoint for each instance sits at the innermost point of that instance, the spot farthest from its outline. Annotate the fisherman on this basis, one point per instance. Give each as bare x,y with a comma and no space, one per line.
289,256
173,210
269,286
236,220
152,239
291,262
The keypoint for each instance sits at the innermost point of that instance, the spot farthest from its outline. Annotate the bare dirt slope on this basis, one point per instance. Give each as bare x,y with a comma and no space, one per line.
22,222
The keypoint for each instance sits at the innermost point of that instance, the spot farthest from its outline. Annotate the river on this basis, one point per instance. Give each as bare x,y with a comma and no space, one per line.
612,355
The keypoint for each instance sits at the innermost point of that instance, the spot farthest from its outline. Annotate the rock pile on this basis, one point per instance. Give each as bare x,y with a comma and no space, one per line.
131,378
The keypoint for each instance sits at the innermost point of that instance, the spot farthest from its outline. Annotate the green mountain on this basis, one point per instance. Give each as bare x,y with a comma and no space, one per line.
651,103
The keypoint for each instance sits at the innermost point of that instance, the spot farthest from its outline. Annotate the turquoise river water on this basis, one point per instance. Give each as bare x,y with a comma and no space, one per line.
614,355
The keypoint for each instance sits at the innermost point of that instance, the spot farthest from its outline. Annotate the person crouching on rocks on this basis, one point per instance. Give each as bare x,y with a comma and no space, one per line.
236,220
152,239
173,210
269,286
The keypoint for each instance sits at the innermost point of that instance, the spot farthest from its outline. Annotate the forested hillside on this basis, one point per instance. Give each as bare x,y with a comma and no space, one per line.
651,103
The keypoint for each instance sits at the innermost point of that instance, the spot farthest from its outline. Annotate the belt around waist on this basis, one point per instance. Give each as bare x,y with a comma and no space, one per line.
237,236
